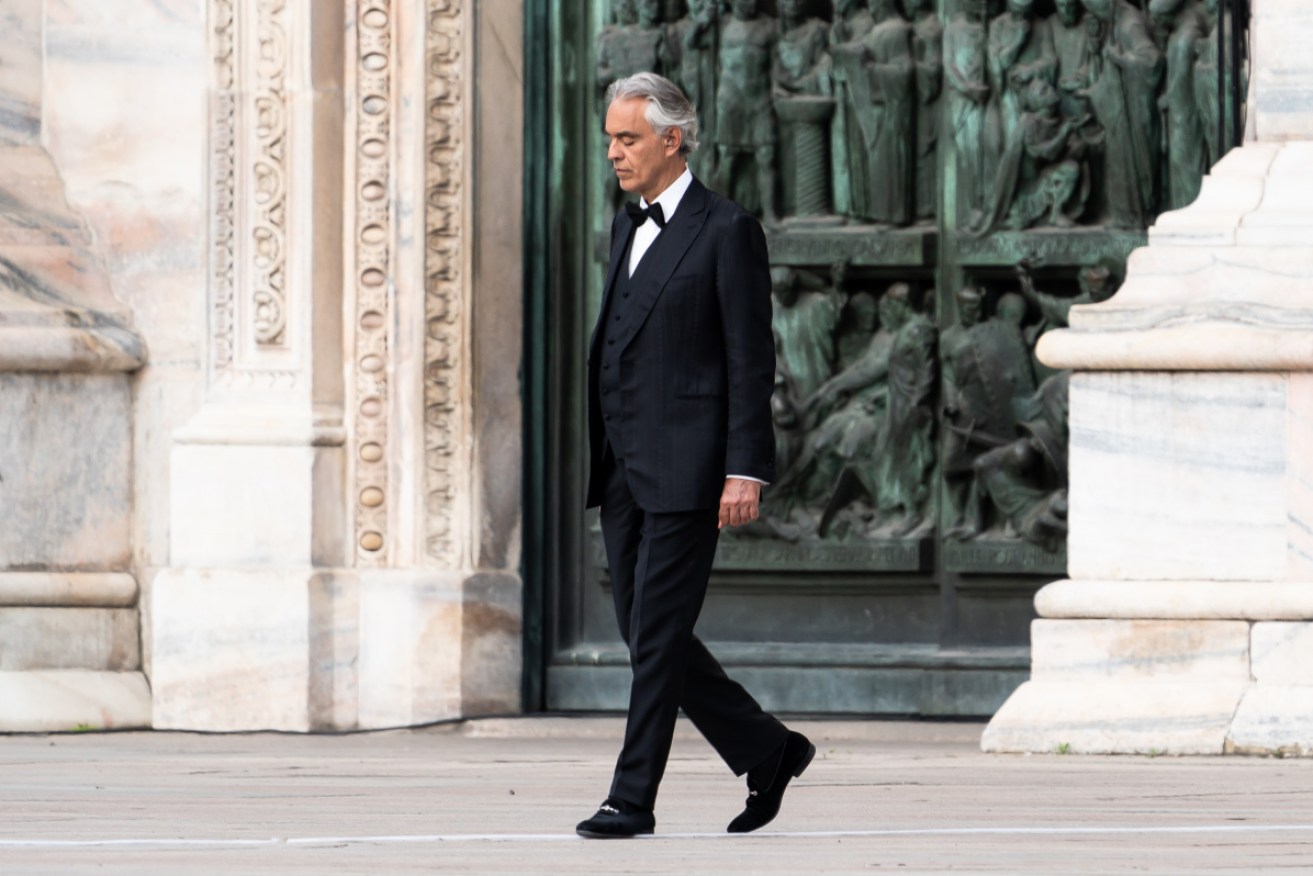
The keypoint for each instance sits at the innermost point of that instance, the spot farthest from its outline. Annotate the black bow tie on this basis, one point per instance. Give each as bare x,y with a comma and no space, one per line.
639,215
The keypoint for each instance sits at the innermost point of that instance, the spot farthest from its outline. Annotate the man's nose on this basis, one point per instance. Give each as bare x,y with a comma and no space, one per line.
613,151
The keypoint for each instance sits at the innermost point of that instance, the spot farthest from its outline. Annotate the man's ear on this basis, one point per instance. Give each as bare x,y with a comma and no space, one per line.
674,140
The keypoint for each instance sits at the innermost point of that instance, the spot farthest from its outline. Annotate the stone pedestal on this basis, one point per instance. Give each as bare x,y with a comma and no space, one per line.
1187,624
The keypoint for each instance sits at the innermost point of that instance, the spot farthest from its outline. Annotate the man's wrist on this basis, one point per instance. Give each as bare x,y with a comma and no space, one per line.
747,478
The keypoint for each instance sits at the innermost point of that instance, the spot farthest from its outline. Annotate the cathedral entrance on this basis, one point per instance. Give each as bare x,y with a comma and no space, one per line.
942,182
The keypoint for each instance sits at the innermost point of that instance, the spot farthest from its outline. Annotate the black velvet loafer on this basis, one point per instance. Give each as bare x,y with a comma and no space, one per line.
766,786
617,819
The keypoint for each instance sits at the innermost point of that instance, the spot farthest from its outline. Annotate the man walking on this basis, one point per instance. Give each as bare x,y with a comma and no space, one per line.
680,375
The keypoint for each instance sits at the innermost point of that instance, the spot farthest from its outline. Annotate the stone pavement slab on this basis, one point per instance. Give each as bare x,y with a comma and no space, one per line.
502,796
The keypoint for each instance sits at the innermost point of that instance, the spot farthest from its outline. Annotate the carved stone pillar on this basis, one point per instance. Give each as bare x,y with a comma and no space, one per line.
327,565
1187,622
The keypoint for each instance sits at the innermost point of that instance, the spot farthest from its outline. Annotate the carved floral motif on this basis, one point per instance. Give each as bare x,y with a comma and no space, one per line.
445,337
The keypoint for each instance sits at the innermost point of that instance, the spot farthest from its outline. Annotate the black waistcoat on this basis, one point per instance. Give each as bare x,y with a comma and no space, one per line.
617,303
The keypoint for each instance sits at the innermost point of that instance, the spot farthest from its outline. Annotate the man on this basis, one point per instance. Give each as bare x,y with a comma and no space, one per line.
680,376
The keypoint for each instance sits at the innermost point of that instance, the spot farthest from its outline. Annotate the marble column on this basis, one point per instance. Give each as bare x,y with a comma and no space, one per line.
68,346
1186,624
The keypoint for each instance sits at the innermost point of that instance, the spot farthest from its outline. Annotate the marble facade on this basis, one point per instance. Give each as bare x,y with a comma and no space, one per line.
1186,622
262,341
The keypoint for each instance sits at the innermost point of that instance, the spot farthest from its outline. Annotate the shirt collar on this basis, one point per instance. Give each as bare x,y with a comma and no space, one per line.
674,193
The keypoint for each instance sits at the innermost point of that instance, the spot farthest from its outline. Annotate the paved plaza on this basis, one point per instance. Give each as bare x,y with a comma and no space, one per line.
502,796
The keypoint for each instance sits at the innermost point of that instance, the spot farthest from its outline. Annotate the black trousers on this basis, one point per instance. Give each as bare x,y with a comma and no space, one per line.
659,569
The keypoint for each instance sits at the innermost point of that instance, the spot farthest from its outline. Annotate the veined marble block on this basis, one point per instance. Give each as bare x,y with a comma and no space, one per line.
1126,686
1184,476
1274,719
61,700
65,471
299,649
1116,717
241,505
1283,654
230,651
100,639
1088,651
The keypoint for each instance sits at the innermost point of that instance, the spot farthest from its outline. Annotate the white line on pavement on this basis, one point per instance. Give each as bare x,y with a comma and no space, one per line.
415,839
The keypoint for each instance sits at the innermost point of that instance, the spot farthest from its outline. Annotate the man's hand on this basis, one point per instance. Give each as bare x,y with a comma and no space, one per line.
740,502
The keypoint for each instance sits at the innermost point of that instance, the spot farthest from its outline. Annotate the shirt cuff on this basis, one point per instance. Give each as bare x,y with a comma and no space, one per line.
747,478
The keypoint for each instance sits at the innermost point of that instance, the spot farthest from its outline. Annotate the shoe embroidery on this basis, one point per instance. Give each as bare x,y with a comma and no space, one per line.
752,793
607,807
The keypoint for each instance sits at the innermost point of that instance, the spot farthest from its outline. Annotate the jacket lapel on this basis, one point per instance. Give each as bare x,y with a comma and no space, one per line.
660,261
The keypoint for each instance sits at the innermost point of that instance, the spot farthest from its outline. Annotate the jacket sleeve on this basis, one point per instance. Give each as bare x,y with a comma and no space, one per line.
744,293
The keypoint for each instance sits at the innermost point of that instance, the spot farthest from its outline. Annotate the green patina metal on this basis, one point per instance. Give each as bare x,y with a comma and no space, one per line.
940,181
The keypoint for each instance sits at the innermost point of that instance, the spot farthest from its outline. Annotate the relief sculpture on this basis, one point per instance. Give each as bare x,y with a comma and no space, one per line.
1041,136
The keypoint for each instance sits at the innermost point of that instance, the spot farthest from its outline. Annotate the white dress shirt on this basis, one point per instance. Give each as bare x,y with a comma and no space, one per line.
648,231
646,234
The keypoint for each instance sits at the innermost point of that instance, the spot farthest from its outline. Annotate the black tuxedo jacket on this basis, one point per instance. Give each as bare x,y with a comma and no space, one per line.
696,358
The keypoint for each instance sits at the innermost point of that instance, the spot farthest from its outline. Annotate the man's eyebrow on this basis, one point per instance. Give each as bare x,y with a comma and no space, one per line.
619,133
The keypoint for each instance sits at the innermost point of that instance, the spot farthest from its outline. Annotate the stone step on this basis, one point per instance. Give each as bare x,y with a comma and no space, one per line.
73,700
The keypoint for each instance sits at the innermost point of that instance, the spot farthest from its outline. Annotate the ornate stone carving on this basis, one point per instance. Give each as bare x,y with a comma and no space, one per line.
268,180
446,331
372,270
249,188
223,176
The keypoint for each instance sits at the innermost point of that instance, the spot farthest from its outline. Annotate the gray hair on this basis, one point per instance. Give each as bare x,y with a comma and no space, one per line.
667,107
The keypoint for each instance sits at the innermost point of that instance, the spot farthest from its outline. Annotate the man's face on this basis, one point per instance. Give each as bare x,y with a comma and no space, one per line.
639,157
745,9
1069,12
649,12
